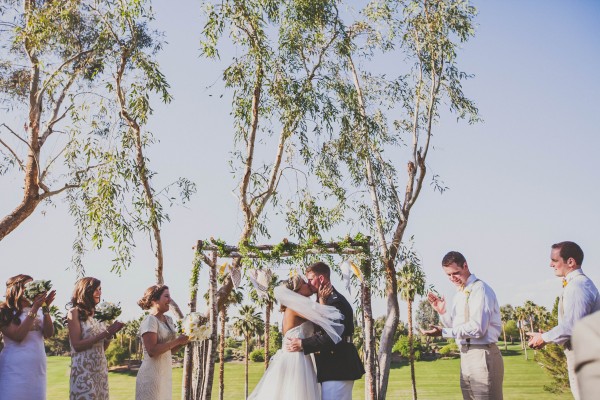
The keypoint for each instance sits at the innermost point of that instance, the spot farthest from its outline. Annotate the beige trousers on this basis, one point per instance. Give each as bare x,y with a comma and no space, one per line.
481,372
570,354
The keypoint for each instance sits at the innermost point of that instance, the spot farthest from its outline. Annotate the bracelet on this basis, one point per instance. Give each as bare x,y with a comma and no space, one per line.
31,314
45,310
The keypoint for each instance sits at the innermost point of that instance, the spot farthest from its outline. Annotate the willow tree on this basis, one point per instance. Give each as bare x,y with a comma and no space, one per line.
386,123
136,77
48,63
89,68
281,48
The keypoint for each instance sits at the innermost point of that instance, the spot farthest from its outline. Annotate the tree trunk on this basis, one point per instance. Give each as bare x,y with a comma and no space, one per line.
369,334
222,316
267,333
504,333
188,358
411,351
246,366
387,336
209,356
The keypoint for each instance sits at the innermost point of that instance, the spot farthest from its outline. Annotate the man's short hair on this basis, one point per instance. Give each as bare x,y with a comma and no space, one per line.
454,257
569,250
319,268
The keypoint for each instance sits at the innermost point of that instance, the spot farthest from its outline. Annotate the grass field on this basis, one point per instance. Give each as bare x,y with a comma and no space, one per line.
435,380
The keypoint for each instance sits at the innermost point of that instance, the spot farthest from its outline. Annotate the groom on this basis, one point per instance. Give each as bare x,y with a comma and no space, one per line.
338,365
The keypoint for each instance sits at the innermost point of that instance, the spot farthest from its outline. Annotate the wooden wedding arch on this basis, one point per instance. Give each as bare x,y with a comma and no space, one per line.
200,357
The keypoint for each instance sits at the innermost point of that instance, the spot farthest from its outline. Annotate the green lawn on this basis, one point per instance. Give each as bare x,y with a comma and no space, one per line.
435,380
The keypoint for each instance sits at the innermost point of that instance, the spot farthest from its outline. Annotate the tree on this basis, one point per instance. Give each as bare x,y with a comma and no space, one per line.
553,358
235,297
512,330
281,48
426,35
506,314
426,315
247,324
520,315
411,282
78,54
53,60
266,300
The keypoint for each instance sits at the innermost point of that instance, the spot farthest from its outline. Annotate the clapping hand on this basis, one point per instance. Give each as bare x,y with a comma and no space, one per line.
433,330
50,298
115,327
438,303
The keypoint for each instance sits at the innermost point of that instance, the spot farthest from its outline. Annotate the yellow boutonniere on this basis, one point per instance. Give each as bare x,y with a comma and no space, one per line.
565,282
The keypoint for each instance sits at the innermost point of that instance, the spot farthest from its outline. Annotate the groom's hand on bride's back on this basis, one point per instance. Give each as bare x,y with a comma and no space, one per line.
293,344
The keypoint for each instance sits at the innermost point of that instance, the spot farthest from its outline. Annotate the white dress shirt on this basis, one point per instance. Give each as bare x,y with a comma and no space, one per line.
483,325
579,298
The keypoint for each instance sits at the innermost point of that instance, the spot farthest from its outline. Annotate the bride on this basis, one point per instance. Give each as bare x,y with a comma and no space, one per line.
291,375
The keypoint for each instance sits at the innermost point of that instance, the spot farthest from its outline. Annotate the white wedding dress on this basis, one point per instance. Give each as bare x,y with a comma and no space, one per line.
291,375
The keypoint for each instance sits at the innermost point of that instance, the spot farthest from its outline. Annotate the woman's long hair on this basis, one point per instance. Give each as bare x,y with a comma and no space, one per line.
11,309
83,297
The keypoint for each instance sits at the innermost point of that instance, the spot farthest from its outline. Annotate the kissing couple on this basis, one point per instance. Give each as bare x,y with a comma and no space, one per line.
322,330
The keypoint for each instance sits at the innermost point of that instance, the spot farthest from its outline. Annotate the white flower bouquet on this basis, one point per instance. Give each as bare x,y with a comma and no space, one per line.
35,288
107,311
195,326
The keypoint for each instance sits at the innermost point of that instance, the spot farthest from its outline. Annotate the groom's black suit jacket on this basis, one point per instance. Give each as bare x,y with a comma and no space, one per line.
336,362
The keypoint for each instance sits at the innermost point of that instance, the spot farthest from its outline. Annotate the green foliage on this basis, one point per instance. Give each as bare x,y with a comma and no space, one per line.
275,339
116,354
512,330
257,355
449,349
228,353
426,315
232,343
58,345
554,361
402,346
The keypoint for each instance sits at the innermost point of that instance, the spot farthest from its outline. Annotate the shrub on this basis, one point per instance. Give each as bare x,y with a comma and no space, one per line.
449,349
231,342
228,354
403,348
257,355
116,354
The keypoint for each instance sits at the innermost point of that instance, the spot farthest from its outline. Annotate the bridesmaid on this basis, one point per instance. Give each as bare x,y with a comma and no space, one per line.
158,334
24,325
89,338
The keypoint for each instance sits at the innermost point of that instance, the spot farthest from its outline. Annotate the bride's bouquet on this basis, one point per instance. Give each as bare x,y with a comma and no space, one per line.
35,288
195,325
107,311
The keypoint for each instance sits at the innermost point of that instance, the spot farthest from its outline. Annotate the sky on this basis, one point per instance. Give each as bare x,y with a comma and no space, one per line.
524,178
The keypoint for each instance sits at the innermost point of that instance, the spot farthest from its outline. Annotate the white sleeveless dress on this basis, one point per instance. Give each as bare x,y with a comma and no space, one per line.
154,380
89,369
23,365
291,375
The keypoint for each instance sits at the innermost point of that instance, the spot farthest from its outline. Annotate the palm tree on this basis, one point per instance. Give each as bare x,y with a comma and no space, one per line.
506,314
530,307
411,282
267,301
247,324
520,315
58,319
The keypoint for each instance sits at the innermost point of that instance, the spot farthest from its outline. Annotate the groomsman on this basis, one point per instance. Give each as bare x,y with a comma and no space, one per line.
474,322
586,346
579,298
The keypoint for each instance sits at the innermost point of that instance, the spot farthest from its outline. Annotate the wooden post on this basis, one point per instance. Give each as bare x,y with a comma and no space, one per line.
368,331
211,348
186,381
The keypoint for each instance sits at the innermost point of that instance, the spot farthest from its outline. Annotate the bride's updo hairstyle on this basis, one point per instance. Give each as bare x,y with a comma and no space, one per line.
11,308
151,294
294,284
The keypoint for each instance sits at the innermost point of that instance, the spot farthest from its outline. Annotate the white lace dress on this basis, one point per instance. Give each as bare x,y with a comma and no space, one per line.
89,370
291,375
153,380
23,364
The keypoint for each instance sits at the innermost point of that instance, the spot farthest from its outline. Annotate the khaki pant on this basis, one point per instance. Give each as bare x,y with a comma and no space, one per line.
481,372
572,376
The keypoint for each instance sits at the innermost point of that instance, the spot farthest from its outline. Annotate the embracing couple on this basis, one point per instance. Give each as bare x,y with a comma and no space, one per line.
322,328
